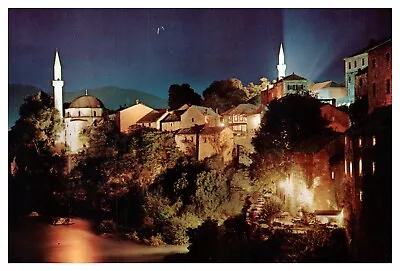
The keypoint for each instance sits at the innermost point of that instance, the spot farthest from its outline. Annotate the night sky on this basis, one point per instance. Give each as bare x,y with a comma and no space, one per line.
150,49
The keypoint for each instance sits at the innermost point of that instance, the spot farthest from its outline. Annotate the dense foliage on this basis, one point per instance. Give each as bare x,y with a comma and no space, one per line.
179,95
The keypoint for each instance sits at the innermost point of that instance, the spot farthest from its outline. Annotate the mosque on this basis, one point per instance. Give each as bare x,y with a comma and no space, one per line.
81,113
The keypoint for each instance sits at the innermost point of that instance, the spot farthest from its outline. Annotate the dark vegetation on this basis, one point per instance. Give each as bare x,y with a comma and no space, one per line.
142,187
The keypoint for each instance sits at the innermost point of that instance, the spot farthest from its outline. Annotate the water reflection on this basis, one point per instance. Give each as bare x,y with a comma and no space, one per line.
36,241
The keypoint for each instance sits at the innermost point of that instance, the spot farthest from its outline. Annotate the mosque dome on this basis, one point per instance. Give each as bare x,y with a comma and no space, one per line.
86,101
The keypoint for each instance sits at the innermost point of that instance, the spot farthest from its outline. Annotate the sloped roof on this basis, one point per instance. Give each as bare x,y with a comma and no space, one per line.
243,109
202,129
293,76
326,84
174,116
152,116
205,110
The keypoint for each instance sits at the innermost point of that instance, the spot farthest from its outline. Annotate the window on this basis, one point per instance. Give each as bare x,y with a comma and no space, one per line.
374,63
363,62
333,118
235,118
349,65
171,123
355,63
94,123
192,119
79,113
360,82
94,113
349,79
388,86
373,167
373,140
361,195
68,115
333,175
360,167
351,168
387,57
345,166
360,141
345,140
374,89
214,139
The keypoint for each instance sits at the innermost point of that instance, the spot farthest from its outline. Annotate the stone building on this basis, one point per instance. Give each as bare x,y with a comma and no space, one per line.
380,76
83,112
339,120
202,142
361,83
199,115
329,90
127,117
243,119
172,121
153,119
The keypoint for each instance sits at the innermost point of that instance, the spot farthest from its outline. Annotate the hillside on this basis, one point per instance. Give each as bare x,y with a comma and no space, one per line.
112,98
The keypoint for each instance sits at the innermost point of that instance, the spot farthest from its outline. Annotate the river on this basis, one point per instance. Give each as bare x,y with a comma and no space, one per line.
32,240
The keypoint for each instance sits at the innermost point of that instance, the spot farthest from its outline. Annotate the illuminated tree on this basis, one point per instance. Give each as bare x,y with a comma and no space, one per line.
224,94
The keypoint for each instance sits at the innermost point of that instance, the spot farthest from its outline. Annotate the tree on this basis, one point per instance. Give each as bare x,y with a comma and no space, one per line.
254,90
292,124
39,124
179,95
224,94
358,110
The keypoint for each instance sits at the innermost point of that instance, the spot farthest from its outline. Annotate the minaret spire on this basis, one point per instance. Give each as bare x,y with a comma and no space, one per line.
281,64
58,84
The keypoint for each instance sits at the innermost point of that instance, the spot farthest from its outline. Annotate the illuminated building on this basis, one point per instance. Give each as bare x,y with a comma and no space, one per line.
83,112
243,119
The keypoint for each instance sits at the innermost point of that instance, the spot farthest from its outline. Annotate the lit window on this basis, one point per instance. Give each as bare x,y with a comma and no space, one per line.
373,140
360,167
333,175
345,140
388,86
359,142
351,168
361,195
363,62
373,167
345,166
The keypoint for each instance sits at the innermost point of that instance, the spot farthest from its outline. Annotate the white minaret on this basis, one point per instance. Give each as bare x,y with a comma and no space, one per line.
58,84
281,66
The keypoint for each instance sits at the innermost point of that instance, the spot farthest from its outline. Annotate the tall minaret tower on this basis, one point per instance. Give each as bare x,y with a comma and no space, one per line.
58,84
281,65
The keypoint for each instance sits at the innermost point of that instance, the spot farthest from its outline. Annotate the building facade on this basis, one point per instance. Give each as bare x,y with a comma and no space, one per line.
129,116
244,119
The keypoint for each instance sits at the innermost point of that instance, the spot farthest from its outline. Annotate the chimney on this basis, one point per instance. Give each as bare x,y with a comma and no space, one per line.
137,101
334,102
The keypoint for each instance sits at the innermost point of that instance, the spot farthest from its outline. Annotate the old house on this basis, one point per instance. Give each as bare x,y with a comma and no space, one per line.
199,115
339,120
288,84
172,120
129,116
203,141
330,90
243,119
153,119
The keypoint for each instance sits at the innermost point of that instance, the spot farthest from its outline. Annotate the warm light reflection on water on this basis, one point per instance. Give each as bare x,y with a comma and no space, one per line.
37,241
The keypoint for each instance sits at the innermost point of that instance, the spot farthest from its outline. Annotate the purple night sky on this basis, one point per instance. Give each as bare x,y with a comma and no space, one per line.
150,49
